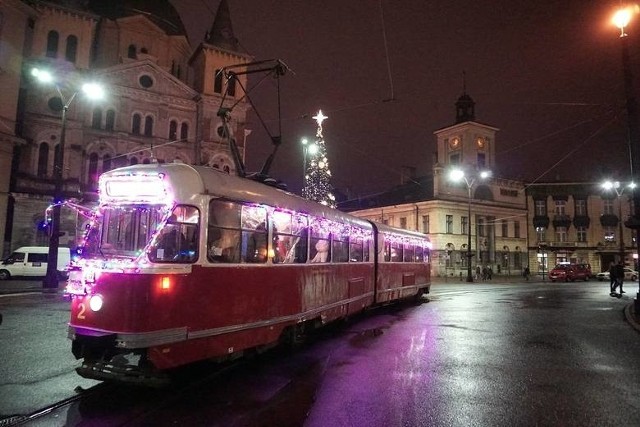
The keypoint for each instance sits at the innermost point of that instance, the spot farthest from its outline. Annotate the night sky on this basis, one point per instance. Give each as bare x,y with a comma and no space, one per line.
548,74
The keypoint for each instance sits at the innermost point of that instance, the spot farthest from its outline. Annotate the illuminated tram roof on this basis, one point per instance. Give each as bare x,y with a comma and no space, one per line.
183,182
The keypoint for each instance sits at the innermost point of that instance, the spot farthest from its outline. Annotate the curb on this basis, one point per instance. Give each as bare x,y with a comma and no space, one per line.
630,316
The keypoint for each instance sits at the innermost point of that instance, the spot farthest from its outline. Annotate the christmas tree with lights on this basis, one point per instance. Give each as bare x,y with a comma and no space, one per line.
317,185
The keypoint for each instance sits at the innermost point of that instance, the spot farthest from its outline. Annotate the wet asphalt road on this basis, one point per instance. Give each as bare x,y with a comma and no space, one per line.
501,354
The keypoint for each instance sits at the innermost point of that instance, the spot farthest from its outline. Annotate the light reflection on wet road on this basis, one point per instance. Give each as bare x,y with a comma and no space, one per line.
479,354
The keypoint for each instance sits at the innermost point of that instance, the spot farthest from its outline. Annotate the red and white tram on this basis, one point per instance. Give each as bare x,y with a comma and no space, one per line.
186,263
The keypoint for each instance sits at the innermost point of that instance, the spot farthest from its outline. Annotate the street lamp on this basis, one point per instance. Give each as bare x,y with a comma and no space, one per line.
92,91
458,175
307,149
615,186
621,19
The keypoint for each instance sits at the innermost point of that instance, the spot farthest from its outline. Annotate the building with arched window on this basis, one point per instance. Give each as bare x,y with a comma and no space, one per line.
161,104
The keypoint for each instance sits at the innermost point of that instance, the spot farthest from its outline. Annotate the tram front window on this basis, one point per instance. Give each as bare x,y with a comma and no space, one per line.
178,239
124,230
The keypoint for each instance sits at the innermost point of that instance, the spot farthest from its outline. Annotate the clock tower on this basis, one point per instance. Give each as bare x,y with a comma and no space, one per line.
466,144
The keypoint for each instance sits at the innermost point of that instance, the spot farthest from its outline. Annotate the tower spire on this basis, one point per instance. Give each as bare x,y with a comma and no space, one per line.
221,33
465,105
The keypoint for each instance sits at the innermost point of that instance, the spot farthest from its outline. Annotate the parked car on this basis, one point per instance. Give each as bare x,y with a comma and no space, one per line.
629,274
570,272
31,261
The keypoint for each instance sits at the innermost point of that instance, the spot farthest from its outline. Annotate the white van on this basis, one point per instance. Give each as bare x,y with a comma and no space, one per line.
31,261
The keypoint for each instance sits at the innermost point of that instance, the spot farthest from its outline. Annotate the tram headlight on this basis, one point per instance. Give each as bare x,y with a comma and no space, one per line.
95,302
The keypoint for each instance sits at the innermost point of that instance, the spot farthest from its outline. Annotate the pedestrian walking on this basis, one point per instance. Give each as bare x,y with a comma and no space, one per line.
619,279
526,273
612,277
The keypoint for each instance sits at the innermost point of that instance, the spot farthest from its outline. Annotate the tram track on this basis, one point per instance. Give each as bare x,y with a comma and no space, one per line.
122,404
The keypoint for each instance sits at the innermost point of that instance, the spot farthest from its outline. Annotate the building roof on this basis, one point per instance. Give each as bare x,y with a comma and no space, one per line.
160,12
414,191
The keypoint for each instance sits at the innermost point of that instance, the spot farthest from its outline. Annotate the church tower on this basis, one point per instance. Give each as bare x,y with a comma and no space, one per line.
219,50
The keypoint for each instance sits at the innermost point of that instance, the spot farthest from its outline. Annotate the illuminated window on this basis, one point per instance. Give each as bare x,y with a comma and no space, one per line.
541,208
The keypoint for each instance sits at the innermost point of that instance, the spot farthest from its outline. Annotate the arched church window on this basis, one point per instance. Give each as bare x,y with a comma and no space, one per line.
173,130
72,48
217,81
92,178
131,51
52,44
148,126
111,120
184,131
96,120
135,125
43,159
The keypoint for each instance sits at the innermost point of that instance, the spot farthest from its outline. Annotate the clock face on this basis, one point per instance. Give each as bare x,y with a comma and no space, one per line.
454,142
480,142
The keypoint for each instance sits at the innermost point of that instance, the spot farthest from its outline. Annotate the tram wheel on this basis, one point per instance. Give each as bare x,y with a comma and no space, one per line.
5,275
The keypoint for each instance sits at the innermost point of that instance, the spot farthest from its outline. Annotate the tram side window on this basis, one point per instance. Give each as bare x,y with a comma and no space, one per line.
340,248
319,246
355,249
387,251
419,253
289,237
408,252
396,252
254,234
223,232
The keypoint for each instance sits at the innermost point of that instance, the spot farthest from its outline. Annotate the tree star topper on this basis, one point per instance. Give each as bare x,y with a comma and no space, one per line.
320,117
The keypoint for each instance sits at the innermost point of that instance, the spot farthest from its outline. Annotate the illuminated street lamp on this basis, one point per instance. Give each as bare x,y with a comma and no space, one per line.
92,91
307,149
621,19
619,190
458,175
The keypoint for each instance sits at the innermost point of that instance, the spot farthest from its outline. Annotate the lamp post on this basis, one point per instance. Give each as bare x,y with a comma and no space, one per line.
619,190
307,149
621,19
91,90
458,175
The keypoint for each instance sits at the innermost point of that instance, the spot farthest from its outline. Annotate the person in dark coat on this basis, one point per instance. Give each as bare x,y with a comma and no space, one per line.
612,277
619,275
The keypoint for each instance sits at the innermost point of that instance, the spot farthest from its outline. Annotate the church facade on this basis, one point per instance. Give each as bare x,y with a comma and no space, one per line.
163,103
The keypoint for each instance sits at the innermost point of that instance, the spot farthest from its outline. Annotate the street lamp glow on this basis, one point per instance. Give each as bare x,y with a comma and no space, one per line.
456,175
621,18
93,90
42,75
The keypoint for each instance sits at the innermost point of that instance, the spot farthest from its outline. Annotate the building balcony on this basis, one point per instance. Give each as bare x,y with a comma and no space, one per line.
608,220
540,221
561,221
581,221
